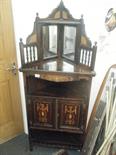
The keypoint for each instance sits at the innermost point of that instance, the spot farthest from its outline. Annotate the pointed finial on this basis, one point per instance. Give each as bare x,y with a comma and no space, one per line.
82,19
95,43
81,16
61,3
21,40
37,14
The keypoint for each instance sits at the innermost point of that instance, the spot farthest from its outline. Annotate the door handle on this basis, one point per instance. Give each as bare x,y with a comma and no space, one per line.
13,68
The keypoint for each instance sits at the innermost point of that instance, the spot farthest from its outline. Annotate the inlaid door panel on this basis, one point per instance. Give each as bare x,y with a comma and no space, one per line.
44,112
69,114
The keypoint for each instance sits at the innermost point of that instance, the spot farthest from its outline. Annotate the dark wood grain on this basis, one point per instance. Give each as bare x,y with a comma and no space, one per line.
57,82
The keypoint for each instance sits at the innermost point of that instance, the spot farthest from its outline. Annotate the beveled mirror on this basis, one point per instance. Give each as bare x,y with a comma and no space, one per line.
49,41
69,42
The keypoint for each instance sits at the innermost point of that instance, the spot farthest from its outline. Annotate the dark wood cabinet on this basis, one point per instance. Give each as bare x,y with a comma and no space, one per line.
58,65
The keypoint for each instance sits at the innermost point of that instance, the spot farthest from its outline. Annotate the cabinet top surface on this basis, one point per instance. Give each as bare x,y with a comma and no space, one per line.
55,69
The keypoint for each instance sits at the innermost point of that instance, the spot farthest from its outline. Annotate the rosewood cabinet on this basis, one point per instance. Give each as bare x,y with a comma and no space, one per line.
58,65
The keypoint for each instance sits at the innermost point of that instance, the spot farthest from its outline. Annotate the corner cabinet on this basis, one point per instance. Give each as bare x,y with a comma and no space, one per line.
57,63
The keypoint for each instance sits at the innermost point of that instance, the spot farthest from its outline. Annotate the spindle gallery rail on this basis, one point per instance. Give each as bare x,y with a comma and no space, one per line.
87,56
29,54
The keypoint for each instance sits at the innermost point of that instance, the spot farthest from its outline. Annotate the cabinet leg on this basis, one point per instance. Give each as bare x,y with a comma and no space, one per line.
30,143
30,146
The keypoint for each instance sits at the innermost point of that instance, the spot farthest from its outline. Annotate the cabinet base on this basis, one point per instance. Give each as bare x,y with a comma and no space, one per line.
56,139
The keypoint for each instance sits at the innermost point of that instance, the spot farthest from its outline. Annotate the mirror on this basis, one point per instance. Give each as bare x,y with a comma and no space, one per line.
49,41
69,42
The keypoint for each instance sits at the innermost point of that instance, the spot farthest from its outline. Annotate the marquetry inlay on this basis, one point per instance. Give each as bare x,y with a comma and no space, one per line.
42,110
70,114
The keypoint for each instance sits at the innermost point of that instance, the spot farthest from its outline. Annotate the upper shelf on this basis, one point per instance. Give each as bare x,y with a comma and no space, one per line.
58,71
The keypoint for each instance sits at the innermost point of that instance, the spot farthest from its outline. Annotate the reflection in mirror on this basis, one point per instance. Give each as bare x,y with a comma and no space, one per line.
53,39
54,65
69,42
49,41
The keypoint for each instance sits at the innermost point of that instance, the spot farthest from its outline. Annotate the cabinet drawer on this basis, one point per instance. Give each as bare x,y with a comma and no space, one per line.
71,114
42,111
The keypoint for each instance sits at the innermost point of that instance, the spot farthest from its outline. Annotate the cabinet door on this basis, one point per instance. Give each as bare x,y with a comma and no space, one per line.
42,112
70,114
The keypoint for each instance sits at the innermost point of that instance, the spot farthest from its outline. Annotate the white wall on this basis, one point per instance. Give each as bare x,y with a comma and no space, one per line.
94,12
